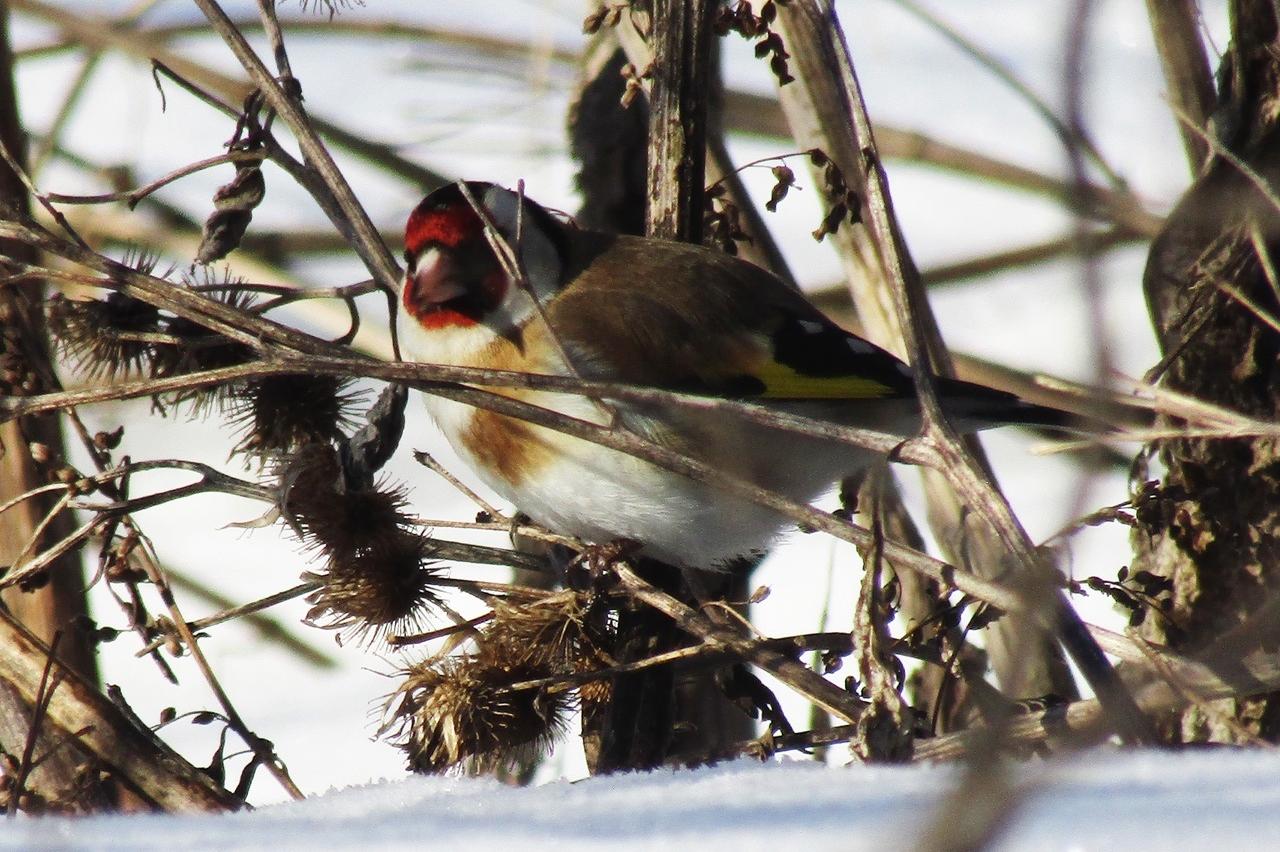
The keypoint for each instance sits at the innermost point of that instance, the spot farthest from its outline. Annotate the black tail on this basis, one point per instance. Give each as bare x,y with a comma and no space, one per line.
976,407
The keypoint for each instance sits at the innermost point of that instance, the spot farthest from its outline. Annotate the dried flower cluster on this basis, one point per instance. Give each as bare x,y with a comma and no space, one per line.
846,204
741,18
722,220
377,577
462,709
119,336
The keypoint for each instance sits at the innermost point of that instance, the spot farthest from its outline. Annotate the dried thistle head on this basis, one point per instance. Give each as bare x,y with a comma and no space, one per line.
105,337
330,516
457,709
387,586
594,693
331,5
277,414
554,632
561,633
189,346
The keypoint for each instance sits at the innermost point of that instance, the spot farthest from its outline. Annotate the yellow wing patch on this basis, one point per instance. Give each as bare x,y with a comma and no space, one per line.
783,382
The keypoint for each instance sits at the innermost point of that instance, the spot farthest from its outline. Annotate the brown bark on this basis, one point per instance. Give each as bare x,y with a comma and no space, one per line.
153,775
58,604
681,42
1211,525
660,714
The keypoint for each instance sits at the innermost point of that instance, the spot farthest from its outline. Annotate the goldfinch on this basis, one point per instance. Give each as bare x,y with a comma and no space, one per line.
657,313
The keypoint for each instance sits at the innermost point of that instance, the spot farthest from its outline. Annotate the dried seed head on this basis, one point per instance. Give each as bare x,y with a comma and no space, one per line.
108,440
784,178
332,6
280,413
560,634
188,346
385,587
457,709
594,693
234,203
104,337
553,633
329,516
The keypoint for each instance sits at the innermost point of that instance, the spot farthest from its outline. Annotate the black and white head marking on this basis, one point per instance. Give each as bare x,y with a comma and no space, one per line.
531,233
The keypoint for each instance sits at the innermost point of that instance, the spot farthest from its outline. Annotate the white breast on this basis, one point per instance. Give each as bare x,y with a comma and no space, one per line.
602,495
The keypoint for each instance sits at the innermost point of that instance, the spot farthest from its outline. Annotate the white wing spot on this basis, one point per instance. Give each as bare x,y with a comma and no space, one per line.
501,204
859,346
811,327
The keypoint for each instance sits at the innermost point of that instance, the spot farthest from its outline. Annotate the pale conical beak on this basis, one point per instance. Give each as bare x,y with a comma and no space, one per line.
435,280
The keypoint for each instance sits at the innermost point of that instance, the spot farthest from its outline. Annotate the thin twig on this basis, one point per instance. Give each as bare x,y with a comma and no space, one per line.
39,708
786,669
1260,183
235,612
705,653
133,196
1039,582
428,461
128,750
522,530
262,749
431,635
366,240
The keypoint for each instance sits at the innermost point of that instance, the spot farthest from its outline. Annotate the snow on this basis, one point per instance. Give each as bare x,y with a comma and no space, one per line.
1098,801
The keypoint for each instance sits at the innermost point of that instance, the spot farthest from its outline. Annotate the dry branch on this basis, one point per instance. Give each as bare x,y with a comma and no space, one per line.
823,38
131,753
798,676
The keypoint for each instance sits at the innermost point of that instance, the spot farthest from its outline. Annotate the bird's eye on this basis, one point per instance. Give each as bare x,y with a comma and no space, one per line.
408,259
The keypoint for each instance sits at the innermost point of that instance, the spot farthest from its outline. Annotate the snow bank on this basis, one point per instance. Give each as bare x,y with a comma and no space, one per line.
1103,800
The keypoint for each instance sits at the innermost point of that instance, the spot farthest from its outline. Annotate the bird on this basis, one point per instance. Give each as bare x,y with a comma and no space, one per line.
569,301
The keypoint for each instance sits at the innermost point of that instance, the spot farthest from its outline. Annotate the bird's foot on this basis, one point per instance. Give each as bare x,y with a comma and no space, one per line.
594,563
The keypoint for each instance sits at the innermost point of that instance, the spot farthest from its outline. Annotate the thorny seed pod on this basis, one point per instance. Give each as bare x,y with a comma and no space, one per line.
559,633
280,413
554,632
331,5
104,337
458,709
387,586
328,515
189,346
